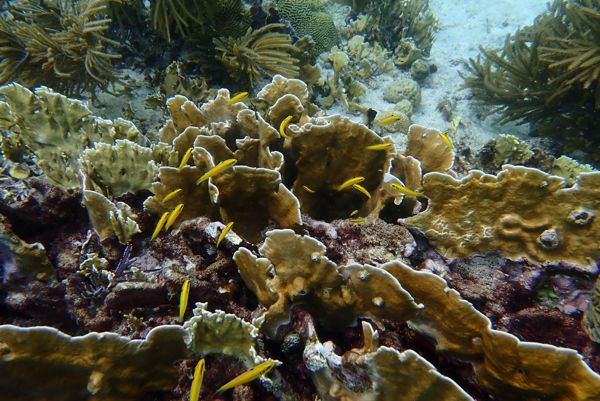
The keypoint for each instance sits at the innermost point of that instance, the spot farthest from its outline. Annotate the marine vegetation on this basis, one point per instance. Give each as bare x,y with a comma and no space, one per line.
260,53
547,74
61,44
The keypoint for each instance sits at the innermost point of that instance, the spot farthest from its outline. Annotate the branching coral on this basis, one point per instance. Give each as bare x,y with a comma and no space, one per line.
66,41
258,54
547,74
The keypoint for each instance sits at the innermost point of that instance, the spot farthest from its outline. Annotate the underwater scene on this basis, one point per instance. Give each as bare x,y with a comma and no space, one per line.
299,200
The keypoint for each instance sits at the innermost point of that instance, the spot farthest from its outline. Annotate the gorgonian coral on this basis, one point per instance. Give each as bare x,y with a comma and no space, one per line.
65,41
258,54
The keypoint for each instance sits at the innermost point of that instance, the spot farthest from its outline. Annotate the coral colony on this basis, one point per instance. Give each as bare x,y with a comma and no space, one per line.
184,217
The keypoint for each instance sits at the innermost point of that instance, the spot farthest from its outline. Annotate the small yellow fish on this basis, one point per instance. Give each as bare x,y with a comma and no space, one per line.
358,220
216,170
246,377
284,125
406,190
307,189
362,190
380,146
237,97
183,299
354,213
160,225
185,158
197,382
174,215
351,182
224,233
172,194
388,120
446,139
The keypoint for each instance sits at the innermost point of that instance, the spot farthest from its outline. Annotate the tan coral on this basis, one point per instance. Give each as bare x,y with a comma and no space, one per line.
281,86
110,219
105,367
115,170
329,152
57,129
427,146
195,198
254,198
375,373
522,213
509,369
294,268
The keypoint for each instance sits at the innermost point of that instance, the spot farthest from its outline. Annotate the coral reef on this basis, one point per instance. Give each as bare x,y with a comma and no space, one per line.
282,224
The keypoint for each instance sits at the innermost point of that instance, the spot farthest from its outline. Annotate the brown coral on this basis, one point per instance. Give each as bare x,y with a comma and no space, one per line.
521,212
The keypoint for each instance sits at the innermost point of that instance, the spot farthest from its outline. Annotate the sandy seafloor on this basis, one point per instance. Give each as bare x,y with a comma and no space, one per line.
464,25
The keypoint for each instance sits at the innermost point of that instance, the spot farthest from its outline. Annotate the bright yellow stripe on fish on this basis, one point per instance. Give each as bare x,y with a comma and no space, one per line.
172,194
224,233
183,299
174,215
351,182
237,97
185,158
160,225
216,170
307,189
246,377
284,125
380,146
446,139
358,220
362,189
387,120
406,190
197,382
354,213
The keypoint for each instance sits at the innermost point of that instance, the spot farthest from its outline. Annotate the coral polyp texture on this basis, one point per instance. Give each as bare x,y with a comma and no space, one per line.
240,208
522,213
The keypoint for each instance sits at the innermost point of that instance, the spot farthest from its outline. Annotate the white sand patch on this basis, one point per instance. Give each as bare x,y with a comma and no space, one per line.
464,26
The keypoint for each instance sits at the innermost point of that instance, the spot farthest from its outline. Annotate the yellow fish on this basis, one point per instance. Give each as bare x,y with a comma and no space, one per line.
172,194
354,213
183,299
446,139
160,225
197,382
358,220
406,190
362,190
224,233
248,376
237,97
216,170
284,125
388,120
174,215
307,189
380,146
185,158
350,182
